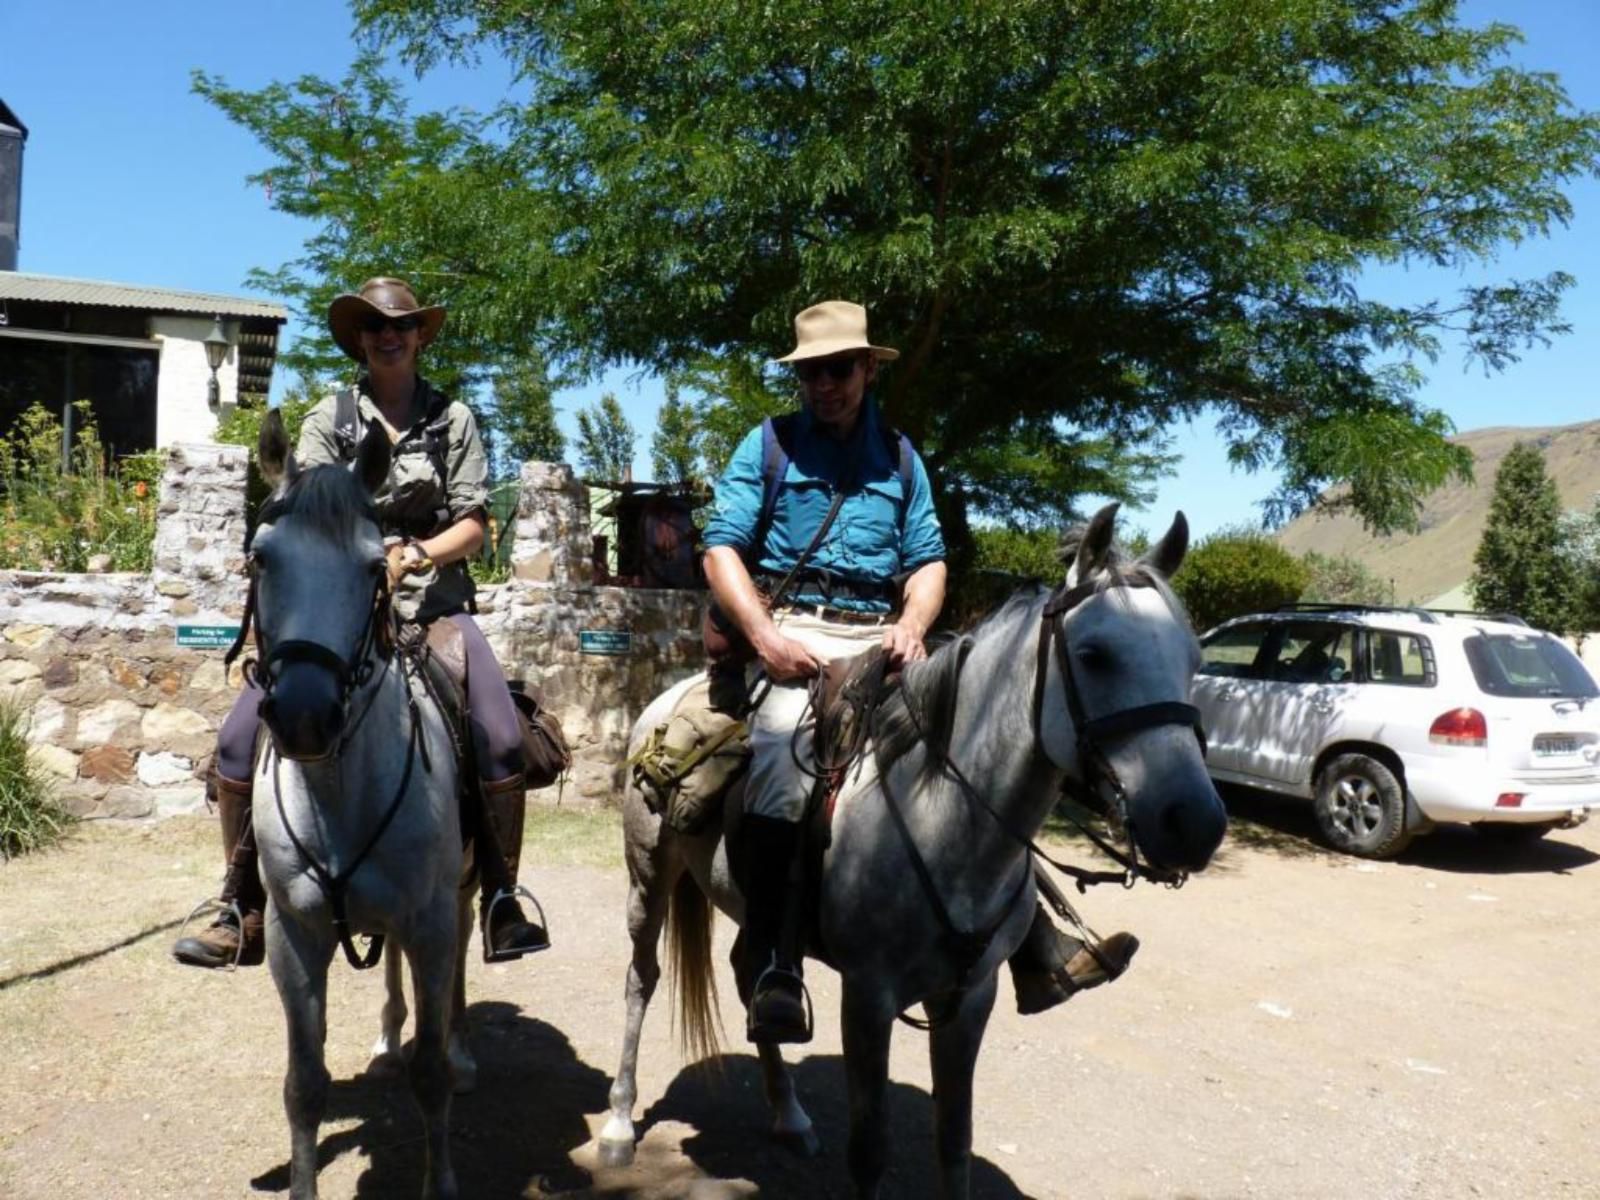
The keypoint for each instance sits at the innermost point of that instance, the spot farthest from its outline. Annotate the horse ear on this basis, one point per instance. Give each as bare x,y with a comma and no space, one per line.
372,459
1096,541
1166,556
272,450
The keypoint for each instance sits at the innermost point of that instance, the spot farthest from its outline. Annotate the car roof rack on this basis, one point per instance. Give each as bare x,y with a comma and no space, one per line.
1509,618
1422,614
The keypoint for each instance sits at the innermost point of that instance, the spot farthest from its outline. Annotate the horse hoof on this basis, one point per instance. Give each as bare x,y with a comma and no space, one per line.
616,1152
804,1142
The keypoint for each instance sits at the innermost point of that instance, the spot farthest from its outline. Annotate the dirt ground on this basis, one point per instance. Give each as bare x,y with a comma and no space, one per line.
1297,1024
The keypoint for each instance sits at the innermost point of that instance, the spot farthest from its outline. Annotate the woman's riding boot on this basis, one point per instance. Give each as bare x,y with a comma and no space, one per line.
1050,966
507,932
235,936
770,975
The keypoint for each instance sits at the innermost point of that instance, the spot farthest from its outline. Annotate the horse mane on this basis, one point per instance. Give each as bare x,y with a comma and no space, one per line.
922,708
329,500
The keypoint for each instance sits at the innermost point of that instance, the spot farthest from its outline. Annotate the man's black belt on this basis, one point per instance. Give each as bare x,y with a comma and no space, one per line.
830,587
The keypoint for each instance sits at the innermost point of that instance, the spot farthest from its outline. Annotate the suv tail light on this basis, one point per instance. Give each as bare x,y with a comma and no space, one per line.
1460,727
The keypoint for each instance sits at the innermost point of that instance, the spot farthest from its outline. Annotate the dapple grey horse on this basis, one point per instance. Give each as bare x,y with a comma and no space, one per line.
356,809
923,907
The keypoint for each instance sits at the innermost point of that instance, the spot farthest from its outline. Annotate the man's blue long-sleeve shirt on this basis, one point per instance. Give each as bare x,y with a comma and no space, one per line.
868,543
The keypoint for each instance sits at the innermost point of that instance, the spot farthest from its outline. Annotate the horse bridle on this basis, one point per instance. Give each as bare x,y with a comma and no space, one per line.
351,673
1095,765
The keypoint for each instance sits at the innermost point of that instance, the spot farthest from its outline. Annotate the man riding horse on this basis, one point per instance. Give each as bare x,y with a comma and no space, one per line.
432,512
850,506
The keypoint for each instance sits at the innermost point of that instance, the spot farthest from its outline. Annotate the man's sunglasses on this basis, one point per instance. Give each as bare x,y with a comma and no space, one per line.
373,323
838,369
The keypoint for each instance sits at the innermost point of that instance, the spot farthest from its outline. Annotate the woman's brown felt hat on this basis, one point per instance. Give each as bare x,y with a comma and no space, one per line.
384,297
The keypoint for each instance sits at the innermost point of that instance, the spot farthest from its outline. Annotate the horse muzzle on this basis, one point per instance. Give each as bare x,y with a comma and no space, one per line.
304,712
1176,817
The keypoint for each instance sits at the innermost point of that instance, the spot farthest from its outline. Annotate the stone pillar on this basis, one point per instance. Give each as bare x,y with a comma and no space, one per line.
200,524
551,544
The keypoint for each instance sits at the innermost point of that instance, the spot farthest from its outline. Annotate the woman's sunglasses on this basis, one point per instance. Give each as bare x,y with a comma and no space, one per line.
373,323
838,369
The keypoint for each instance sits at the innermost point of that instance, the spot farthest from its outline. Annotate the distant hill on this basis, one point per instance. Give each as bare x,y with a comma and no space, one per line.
1438,558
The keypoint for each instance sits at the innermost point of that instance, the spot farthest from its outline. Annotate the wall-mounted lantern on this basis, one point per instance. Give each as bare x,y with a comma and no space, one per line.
217,346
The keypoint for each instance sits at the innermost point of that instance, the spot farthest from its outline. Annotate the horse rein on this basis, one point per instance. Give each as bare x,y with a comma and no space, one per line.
969,947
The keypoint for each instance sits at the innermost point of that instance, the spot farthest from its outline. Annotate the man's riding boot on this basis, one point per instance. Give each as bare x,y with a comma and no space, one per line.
1050,966
219,944
507,932
770,976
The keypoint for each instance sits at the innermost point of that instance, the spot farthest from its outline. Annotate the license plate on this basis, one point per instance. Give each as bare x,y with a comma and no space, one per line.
1555,745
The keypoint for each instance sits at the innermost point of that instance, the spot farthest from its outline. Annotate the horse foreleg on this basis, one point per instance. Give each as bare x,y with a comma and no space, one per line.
298,960
463,1067
868,1020
647,908
953,1052
388,1058
791,1127
432,955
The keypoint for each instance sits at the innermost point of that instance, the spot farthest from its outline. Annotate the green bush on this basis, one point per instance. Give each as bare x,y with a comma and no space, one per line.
30,817
1341,579
58,520
1236,572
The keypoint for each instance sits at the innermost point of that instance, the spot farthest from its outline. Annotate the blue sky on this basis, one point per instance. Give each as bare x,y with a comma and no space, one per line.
129,177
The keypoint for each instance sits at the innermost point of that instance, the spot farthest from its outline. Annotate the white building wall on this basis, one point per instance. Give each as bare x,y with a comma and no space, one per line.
182,414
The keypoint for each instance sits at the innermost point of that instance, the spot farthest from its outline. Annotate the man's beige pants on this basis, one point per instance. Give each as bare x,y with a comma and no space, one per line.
781,729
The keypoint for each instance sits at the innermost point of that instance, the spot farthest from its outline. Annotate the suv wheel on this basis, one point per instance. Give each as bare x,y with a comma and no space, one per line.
1361,807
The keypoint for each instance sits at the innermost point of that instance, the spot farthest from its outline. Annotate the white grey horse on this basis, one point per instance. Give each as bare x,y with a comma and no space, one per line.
924,907
356,809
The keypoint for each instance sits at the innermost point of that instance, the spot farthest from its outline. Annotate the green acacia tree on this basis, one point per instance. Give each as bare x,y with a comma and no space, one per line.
605,440
1520,565
1080,222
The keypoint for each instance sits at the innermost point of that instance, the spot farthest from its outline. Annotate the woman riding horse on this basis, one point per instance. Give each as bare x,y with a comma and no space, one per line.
432,512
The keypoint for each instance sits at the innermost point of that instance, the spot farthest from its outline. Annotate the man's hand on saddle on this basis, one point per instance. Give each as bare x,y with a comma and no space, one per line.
903,645
783,658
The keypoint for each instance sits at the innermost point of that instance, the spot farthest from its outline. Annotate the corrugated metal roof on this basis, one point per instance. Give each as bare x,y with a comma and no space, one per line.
52,289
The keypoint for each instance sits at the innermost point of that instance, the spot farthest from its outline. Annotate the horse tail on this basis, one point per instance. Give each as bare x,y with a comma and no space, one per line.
693,981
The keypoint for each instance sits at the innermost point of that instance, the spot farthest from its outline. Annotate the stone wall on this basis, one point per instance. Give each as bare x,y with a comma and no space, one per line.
125,719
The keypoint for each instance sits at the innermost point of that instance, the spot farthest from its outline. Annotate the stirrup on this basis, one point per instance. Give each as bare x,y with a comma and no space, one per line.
490,954
773,968
219,906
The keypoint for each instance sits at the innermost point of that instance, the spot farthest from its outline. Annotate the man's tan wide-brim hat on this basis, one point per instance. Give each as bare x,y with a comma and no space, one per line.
833,327
385,297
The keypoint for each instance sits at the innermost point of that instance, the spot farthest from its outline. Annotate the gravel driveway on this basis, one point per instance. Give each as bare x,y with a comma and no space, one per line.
1298,1024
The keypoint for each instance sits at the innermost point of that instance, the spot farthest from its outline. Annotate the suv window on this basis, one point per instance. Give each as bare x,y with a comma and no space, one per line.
1233,651
1313,652
1399,658
1527,665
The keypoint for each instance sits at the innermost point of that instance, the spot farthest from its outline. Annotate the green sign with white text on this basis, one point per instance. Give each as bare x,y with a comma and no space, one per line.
207,637
605,641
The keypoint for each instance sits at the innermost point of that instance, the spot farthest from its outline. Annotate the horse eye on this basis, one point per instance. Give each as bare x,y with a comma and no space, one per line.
1094,658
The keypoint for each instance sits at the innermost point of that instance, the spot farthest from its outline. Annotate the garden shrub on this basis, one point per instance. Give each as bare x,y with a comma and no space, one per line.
60,520
1236,572
30,817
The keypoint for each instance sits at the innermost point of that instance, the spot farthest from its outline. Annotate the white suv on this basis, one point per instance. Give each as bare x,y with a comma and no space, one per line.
1392,719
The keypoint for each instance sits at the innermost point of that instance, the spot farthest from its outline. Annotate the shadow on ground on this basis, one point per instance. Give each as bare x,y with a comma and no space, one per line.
1284,825
512,1137
722,1100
